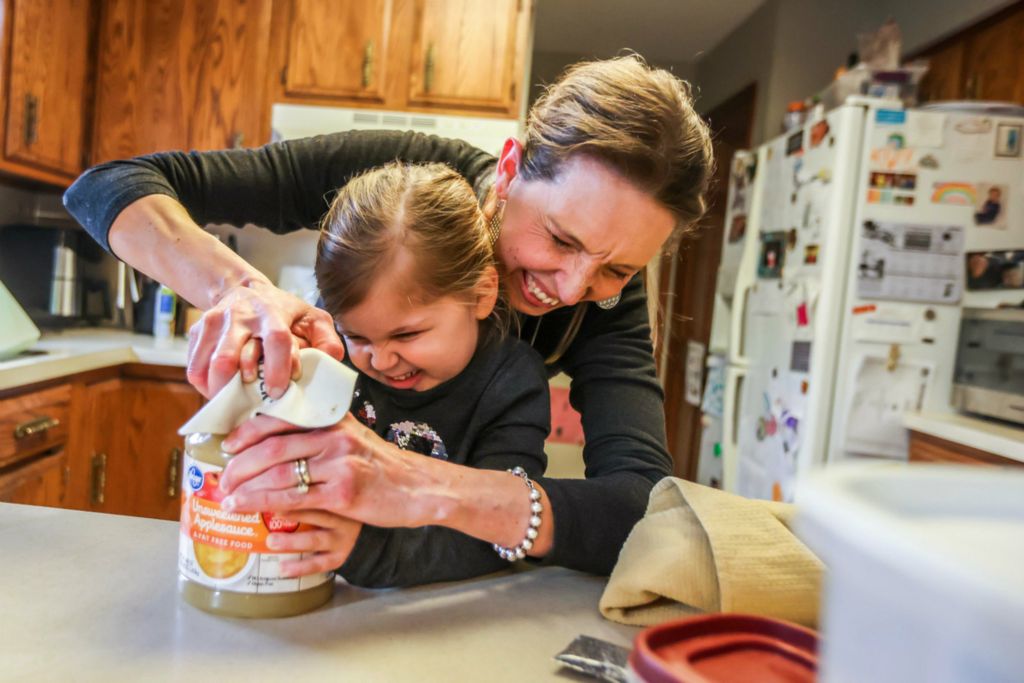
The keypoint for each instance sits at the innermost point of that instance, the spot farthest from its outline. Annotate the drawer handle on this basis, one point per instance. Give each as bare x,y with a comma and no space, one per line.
172,473
99,478
35,426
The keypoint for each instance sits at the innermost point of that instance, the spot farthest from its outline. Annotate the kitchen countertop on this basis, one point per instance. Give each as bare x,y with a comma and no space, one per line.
985,435
81,350
93,597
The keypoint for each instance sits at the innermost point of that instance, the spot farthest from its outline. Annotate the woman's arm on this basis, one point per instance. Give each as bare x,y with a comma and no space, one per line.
148,211
615,389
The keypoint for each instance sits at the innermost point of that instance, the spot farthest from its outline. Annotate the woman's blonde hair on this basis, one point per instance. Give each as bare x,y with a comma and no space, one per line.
637,119
427,209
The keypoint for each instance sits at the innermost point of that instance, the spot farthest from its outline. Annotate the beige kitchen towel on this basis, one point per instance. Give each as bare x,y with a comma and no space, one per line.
699,549
319,398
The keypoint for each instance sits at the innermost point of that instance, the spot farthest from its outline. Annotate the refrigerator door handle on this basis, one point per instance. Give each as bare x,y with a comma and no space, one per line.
737,328
731,411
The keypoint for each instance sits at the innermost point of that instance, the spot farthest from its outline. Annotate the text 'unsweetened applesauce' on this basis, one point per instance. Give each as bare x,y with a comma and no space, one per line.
223,560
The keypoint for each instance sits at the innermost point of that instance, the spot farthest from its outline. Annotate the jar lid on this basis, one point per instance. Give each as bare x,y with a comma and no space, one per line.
719,648
796,105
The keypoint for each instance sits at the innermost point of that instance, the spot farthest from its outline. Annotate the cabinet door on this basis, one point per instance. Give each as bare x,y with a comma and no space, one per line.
944,79
154,410
181,74
464,55
96,449
338,49
993,68
47,84
40,482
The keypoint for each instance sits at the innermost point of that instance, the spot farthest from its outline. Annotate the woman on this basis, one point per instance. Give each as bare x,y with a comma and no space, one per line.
615,162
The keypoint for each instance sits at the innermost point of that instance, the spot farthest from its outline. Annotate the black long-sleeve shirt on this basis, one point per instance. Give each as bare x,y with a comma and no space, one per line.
289,185
495,414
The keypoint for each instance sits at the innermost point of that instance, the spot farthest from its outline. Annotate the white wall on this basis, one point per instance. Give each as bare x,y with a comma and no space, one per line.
792,48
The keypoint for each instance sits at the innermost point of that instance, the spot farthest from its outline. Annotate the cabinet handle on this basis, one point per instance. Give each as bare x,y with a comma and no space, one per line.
237,140
172,473
428,69
35,426
368,64
99,478
31,119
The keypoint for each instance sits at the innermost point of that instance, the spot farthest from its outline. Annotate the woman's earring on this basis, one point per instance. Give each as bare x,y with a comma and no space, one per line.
494,227
609,303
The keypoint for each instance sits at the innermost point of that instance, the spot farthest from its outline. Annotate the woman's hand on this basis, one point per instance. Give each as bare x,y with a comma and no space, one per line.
355,474
331,543
251,320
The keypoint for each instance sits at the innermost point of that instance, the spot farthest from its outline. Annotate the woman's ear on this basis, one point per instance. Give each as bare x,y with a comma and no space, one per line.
508,166
486,293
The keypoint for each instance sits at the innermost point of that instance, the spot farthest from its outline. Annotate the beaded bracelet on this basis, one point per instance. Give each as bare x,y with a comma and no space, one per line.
519,552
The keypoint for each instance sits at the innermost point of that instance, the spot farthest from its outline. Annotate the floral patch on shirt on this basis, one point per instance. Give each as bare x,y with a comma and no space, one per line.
418,437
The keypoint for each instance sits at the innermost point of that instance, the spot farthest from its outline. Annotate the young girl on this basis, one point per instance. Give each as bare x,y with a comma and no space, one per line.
405,267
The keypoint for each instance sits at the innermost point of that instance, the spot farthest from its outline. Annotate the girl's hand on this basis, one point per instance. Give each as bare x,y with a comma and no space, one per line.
331,543
355,474
253,320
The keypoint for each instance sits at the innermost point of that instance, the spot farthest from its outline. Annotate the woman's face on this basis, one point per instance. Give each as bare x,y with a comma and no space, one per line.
580,237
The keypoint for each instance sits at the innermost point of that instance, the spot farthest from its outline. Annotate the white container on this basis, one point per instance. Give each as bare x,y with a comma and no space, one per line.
164,306
926,571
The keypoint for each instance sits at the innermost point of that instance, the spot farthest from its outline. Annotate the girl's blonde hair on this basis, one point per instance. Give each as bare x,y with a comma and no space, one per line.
428,210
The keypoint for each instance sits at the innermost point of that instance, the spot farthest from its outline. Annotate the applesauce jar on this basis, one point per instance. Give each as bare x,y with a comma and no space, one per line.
224,564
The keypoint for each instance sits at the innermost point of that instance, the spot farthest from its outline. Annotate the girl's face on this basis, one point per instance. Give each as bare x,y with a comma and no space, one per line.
409,345
578,238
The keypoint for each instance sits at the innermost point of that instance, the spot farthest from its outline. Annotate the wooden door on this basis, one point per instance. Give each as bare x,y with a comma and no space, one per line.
338,49
994,61
464,54
696,274
181,74
153,412
47,84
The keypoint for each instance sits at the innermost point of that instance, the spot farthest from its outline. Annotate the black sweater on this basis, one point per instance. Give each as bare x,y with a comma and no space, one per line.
289,185
494,415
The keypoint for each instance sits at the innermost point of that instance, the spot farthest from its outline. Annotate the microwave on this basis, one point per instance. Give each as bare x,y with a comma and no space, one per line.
989,373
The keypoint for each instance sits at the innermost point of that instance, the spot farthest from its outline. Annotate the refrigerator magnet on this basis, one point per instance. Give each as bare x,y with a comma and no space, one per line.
1008,139
990,206
773,253
818,132
795,143
811,254
928,161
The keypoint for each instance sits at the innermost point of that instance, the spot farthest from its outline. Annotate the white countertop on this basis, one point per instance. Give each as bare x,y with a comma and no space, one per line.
82,350
93,597
985,435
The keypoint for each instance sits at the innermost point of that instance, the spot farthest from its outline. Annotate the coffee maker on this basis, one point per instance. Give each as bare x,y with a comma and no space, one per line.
43,268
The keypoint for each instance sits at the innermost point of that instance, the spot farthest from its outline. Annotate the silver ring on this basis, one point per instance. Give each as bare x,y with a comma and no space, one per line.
302,473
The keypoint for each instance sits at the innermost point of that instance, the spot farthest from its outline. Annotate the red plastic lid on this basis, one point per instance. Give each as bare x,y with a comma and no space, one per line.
796,105
726,648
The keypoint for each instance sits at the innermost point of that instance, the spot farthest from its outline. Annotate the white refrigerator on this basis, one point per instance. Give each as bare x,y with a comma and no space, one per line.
844,308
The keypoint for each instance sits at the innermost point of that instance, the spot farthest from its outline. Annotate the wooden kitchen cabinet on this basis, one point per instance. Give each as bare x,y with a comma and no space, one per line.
125,449
464,55
181,74
439,56
154,409
33,433
930,448
337,49
45,74
983,62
